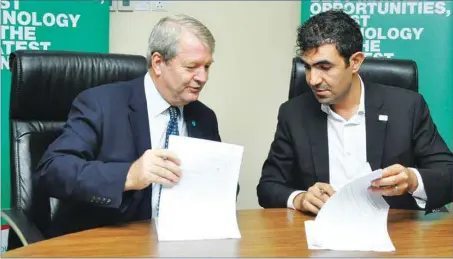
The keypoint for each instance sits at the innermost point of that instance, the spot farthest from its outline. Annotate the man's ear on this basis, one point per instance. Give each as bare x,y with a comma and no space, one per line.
156,63
356,61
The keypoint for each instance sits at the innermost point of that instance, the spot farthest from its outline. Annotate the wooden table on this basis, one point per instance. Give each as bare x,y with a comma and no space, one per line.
265,233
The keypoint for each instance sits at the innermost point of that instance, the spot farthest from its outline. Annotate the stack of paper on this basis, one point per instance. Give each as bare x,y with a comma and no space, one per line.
203,204
353,219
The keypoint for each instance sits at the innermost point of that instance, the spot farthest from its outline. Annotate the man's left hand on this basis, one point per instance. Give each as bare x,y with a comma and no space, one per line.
396,180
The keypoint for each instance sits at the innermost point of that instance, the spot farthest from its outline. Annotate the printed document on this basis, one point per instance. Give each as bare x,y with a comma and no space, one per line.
353,219
203,204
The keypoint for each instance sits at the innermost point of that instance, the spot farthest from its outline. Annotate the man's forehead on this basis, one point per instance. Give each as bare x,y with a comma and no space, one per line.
194,57
327,52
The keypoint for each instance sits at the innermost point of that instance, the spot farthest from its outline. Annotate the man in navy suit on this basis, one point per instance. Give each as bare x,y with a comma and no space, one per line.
108,165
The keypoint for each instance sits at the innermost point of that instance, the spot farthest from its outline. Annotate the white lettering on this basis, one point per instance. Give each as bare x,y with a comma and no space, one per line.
48,19
32,18
35,19
5,65
21,45
24,18
440,8
34,45
369,7
18,33
361,7
428,8
9,18
361,19
44,45
349,8
9,46
372,45
62,20
74,19
5,4
337,5
392,33
418,32
30,33
315,8
379,55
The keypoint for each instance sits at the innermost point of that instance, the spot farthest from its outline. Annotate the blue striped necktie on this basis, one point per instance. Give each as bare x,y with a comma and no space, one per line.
172,129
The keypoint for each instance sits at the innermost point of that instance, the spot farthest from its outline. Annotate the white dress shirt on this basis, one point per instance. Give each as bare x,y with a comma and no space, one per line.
347,150
158,117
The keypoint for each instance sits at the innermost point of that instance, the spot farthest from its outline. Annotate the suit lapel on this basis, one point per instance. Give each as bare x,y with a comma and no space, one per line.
317,130
192,122
138,117
376,124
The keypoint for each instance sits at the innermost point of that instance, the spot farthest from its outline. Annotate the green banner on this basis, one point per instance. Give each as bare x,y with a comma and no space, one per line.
45,25
417,30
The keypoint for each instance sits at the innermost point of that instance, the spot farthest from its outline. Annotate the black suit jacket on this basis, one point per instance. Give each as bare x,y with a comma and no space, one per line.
299,156
86,166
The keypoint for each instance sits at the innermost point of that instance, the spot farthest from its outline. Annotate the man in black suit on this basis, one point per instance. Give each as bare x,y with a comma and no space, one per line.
324,137
110,162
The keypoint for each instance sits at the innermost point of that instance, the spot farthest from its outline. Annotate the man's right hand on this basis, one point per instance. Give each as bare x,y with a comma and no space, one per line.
158,166
315,197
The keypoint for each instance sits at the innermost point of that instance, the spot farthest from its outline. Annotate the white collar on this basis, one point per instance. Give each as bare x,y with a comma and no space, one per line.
155,102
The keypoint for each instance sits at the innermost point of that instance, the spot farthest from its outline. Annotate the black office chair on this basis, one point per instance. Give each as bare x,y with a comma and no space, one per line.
43,86
382,71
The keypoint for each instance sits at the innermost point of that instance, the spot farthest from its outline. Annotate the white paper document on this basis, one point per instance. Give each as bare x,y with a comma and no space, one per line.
353,219
203,204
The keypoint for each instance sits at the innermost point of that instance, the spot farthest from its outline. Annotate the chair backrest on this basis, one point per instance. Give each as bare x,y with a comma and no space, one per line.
43,87
393,72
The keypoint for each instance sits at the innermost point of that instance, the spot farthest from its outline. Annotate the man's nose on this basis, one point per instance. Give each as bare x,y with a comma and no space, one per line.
201,75
313,78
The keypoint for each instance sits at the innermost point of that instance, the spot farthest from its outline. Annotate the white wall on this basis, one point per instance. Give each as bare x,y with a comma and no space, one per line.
250,77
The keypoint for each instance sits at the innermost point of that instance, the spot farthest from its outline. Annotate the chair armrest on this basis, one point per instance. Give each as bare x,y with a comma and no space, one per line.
19,223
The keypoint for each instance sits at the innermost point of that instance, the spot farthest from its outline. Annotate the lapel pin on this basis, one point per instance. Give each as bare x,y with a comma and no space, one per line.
194,124
383,117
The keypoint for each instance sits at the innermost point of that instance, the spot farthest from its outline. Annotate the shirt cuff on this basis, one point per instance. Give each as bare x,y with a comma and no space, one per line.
419,193
290,202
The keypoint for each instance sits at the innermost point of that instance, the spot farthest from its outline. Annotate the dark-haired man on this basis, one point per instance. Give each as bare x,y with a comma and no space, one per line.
325,136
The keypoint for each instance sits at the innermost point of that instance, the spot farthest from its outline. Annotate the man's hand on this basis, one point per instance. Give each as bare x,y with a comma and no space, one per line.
395,180
154,166
314,198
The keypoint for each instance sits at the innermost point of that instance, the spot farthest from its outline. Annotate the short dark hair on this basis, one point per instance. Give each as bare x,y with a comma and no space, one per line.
330,27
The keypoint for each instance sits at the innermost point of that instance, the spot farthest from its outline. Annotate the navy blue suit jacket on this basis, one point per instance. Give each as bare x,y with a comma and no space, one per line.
86,166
